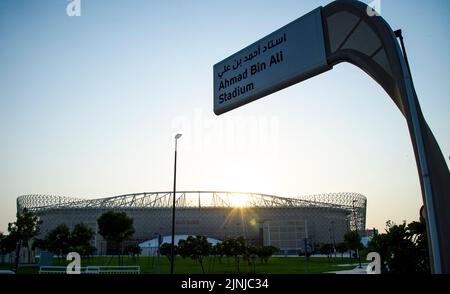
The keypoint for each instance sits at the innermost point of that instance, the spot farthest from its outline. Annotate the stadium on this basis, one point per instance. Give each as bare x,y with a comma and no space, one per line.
290,224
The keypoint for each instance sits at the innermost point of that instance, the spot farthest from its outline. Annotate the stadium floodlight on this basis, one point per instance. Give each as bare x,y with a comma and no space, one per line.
172,249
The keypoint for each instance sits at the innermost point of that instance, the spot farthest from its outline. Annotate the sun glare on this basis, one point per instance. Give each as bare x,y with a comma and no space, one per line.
238,200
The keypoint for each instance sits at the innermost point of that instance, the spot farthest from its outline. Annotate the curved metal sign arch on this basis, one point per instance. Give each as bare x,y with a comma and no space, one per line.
344,31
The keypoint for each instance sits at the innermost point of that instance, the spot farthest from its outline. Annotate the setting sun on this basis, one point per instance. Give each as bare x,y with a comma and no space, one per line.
238,200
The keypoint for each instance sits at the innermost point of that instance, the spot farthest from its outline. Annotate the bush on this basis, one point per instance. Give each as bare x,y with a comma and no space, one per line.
403,248
133,249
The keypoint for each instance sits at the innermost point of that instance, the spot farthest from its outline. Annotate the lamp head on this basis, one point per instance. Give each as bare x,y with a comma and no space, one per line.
177,136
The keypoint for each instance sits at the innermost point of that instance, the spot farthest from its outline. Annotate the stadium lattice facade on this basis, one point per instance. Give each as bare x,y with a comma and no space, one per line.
261,219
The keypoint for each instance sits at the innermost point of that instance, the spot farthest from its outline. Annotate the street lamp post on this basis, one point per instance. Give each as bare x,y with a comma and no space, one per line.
172,251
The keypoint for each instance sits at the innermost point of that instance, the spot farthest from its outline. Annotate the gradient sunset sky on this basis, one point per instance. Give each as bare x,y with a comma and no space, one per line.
89,105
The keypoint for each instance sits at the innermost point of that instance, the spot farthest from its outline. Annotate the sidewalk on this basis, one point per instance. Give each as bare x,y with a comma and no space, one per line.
356,271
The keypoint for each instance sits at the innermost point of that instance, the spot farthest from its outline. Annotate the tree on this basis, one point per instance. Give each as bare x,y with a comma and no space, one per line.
2,244
403,248
217,250
58,240
165,250
81,234
341,248
326,249
115,227
24,230
353,240
7,244
61,240
133,249
40,243
417,231
234,247
80,240
197,248
265,252
250,253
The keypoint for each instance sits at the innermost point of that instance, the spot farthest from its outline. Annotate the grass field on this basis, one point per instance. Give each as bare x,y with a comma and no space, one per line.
276,265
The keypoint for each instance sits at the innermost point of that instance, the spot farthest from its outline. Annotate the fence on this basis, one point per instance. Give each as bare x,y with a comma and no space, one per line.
92,269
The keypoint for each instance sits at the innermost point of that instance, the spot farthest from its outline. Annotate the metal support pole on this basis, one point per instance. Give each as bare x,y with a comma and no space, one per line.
435,254
173,211
306,246
158,254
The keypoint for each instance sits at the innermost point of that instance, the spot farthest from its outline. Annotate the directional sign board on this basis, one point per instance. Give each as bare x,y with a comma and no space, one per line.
287,56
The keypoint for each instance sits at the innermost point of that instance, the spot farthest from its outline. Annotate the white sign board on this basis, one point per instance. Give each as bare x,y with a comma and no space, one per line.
287,56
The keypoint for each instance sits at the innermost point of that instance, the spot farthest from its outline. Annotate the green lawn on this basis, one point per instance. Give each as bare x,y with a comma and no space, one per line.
276,265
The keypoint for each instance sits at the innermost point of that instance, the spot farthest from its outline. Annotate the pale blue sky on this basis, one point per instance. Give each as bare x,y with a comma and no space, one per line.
89,105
